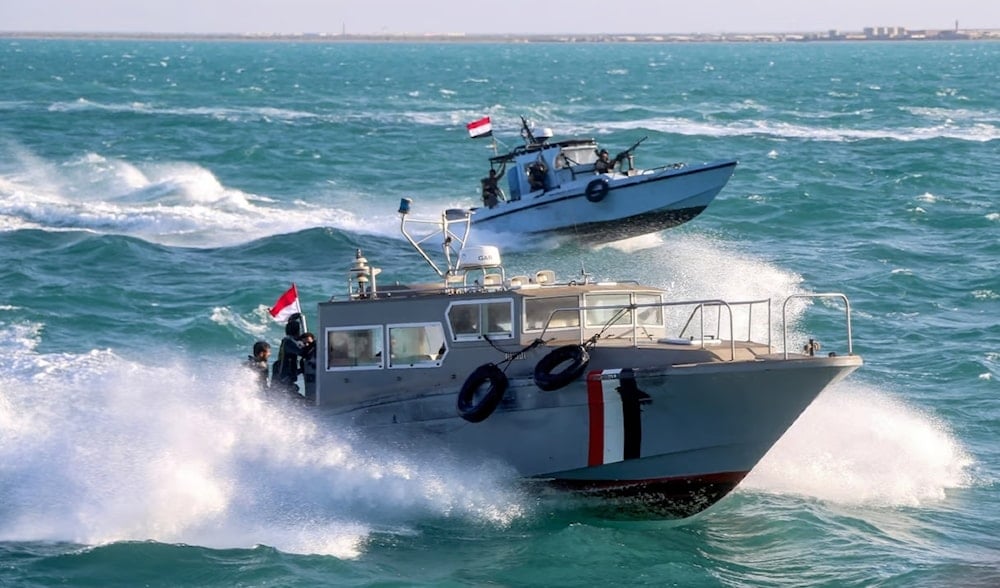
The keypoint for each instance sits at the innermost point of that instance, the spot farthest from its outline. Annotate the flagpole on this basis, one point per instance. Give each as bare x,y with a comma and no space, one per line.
305,327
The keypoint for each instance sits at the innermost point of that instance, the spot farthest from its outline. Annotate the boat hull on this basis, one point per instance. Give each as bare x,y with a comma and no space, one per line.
669,498
633,205
669,441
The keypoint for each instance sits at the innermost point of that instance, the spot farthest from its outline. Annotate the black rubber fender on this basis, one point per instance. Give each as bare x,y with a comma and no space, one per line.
597,189
473,411
547,379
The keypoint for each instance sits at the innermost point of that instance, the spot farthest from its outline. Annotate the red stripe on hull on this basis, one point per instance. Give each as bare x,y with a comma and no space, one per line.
595,404
678,497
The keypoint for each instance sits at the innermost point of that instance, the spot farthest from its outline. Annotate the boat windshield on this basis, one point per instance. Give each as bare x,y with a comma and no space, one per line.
580,155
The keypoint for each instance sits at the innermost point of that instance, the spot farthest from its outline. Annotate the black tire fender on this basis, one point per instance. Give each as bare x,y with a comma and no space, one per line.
597,189
473,411
547,379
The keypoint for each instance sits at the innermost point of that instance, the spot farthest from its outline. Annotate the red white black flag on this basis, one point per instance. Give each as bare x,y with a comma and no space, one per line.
286,305
480,128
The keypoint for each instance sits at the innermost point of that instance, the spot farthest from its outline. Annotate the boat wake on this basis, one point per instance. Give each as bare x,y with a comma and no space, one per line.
857,445
96,449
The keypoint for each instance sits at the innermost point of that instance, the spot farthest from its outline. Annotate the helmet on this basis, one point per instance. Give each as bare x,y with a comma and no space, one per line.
293,328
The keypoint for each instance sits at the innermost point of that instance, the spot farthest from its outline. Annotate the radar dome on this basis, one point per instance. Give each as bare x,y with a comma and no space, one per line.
479,257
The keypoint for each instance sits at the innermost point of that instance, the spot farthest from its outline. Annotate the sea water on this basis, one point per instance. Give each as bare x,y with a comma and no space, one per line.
157,196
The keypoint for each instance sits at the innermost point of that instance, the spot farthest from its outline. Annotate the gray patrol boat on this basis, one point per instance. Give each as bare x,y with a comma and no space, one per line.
610,390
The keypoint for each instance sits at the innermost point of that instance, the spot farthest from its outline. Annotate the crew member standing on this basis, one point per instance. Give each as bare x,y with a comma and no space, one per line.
288,365
258,362
308,366
604,163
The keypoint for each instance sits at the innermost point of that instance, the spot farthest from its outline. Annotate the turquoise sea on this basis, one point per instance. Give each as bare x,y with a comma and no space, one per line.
156,197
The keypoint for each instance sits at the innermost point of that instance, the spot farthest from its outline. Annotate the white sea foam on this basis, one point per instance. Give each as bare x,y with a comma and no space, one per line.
231,114
858,445
971,131
96,448
959,124
170,203
952,114
257,326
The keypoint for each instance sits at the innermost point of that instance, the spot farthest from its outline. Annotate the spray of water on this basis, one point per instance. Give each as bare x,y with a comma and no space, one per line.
858,445
97,448
854,444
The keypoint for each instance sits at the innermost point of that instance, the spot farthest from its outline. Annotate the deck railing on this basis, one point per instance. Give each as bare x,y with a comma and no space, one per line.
847,317
699,313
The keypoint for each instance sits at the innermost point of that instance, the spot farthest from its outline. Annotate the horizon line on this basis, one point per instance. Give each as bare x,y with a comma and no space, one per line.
461,34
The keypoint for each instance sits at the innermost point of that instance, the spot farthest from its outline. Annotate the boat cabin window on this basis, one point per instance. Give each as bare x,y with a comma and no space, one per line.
537,311
416,345
650,317
471,320
580,155
354,348
604,316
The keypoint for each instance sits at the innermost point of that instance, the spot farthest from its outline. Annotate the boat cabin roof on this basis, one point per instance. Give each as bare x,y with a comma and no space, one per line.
519,285
542,145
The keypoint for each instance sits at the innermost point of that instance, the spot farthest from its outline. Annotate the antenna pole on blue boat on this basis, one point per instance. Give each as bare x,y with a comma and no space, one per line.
526,131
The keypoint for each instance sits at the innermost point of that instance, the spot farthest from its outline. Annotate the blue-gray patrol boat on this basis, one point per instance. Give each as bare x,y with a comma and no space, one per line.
564,187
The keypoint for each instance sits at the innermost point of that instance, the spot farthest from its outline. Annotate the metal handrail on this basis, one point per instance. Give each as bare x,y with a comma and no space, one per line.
699,309
847,314
748,303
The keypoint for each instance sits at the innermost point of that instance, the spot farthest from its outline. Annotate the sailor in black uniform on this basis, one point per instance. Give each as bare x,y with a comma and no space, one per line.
308,365
258,362
605,164
287,367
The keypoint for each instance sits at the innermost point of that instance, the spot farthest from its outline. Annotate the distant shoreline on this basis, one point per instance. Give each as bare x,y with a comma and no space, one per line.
882,34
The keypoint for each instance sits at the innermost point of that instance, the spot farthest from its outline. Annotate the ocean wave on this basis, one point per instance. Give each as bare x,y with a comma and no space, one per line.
956,124
177,203
953,114
116,450
230,114
976,132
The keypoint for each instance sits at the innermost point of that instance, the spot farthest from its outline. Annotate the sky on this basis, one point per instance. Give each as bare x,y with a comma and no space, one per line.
482,17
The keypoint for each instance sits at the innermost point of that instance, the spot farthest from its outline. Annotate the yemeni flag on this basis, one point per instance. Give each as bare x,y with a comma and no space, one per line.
480,128
287,305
